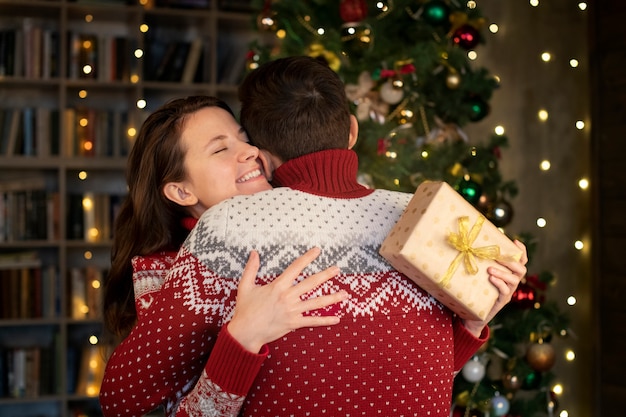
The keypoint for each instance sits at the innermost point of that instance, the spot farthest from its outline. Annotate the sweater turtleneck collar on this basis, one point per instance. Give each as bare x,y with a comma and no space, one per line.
328,173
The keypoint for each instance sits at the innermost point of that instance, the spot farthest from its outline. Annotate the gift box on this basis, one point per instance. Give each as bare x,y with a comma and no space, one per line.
445,245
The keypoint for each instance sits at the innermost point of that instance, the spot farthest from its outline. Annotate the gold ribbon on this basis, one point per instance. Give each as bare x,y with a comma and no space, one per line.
462,241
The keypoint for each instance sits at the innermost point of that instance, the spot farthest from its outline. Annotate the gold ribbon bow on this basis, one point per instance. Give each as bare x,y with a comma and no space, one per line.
462,241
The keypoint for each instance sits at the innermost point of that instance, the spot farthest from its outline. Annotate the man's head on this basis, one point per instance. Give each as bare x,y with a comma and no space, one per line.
295,106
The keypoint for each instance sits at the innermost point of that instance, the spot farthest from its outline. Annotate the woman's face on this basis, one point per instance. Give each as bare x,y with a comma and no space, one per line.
219,161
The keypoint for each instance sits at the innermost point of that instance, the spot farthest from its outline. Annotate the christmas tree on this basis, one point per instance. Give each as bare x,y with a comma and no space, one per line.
413,88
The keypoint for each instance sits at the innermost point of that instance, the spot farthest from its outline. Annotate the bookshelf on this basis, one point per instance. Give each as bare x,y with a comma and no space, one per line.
77,78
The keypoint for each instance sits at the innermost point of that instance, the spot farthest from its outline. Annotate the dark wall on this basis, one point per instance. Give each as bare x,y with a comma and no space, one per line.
608,101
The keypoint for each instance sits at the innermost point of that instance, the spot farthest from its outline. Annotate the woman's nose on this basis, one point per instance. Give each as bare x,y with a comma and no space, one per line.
249,152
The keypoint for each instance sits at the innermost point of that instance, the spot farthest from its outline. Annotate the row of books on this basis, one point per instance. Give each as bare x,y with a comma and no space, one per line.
30,49
89,132
29,212
31,372
28,372
172,59
30,292
102,57
91,216
95,132
34,214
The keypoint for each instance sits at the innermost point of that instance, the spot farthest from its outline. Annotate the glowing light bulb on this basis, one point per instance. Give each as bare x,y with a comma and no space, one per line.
583,183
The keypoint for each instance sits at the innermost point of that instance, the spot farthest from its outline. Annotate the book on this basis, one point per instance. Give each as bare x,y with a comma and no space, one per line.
42,131
12,130
28,132
78,294
193,59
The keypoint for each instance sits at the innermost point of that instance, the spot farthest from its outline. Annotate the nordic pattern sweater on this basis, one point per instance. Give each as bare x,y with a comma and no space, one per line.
394,352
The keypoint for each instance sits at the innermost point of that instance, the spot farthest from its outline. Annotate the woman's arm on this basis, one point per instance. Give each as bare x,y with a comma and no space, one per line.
161,360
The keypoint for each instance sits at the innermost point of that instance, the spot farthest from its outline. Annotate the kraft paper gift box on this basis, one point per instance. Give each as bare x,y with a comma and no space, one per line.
445,245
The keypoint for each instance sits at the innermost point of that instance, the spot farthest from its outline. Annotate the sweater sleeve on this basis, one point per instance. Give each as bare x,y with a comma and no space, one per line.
164,354
225,381
465,343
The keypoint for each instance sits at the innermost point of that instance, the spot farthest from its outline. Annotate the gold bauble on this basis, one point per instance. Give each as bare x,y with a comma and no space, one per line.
540,356
453,80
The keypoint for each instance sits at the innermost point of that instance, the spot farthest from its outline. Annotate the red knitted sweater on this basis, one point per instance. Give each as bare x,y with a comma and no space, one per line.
394,352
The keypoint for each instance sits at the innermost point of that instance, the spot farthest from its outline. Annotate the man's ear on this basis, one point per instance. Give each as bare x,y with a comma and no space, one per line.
176,192
354,131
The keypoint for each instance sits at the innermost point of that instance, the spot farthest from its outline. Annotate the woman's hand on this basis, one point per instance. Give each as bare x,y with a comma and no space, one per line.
264,313
506,281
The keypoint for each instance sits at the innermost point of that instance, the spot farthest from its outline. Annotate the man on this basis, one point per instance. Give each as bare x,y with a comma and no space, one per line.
396,349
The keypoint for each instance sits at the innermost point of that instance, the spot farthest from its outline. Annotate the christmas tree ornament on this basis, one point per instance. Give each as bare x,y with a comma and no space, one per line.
540,356
511,381
500,405
397,139
453,80
469,189
357,39
501,213
485,203
456,169
436,13
367,100
391,91
477,107
467,37
532,381
383,8
446,133
353,10
524,296
266,21
473,371
317,50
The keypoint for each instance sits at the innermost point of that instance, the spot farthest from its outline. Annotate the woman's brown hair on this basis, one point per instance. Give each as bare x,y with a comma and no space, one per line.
148,222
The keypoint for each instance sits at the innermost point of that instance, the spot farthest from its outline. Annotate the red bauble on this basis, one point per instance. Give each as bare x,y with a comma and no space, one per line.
524,296
467,37
353,10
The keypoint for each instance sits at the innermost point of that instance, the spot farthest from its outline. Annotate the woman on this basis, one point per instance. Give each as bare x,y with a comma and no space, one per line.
191,154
